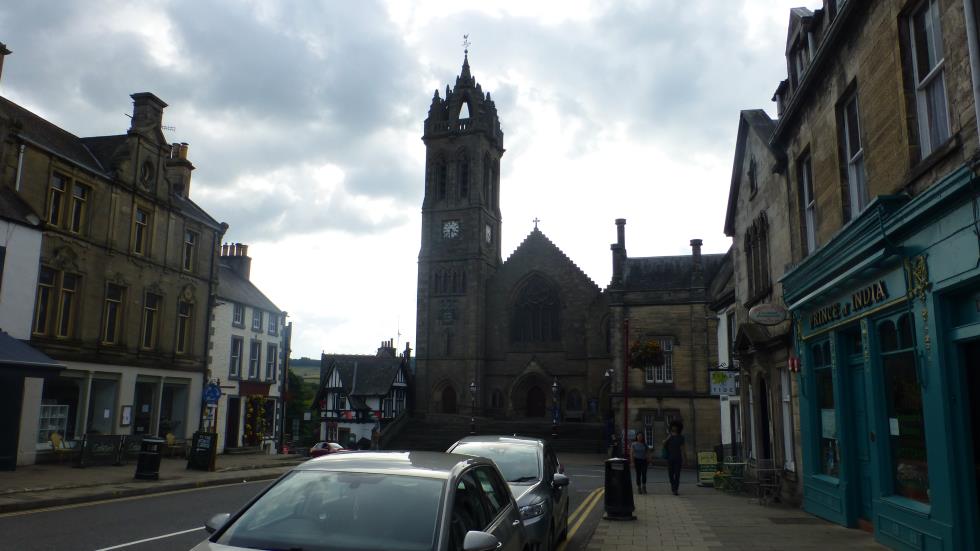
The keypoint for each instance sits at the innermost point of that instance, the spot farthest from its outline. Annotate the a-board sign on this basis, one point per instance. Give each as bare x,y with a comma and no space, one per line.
99,449
707,466
204,446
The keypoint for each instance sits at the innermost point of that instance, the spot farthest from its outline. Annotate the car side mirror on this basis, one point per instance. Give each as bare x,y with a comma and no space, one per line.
560,480
216,522
480,541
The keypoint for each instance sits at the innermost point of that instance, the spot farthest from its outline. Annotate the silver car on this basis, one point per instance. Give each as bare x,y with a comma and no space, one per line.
535,477
397,501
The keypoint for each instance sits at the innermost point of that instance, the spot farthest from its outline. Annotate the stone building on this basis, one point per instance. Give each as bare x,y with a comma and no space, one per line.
127,271
533,335
249,337
879,128
757,219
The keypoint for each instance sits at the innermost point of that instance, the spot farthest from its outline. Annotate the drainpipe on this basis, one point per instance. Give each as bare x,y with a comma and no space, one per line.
974,49
20,166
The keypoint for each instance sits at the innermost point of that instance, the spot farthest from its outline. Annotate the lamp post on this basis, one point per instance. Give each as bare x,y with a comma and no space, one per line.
626,386
554,414
473,407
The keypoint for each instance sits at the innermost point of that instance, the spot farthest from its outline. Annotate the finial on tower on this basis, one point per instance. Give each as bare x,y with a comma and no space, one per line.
536,220
466,44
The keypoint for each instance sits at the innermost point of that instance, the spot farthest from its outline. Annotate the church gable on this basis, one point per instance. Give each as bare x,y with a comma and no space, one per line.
539,253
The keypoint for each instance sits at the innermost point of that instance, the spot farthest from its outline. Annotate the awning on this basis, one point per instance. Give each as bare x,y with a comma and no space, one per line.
19,357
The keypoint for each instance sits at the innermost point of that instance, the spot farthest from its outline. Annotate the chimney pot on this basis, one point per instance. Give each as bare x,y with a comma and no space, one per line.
4,52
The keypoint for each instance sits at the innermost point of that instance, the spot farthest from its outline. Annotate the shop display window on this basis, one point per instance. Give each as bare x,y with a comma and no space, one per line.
820,357
903,400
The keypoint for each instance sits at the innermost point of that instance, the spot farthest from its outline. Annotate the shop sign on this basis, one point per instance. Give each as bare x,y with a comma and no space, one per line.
863,298
723,382
768,314
707,467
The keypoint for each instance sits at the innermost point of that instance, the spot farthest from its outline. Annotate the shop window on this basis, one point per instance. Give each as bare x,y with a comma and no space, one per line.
903,400
827,412
52,419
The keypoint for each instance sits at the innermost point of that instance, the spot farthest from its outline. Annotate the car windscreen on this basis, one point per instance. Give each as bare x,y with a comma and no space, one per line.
519,463
330,510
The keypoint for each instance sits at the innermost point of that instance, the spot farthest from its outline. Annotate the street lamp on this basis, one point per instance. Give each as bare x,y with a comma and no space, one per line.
554,415
473,407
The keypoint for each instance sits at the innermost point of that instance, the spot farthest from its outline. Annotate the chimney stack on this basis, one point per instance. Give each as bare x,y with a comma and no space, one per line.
387,349
4,52
235,257
178,170
147,115
697,273
619,252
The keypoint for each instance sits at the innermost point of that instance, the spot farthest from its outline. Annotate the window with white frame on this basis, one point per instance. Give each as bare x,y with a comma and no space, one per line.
52,418
857,185
190,249
809,203
663,374
254,359
271,362
256,319
399,400
387,405
235,366
238,315
929,78
273,324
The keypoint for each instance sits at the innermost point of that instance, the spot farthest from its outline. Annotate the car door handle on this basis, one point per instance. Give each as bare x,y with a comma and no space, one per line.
516,523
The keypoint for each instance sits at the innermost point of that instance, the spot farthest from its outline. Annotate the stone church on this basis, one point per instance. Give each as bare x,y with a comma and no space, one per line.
513,338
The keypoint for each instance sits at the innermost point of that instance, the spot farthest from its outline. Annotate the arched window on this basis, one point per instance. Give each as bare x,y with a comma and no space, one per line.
486,180
463,174
535,314
494,183
464,111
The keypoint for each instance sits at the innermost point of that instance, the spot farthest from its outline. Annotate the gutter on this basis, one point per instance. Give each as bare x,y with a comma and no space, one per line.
20,166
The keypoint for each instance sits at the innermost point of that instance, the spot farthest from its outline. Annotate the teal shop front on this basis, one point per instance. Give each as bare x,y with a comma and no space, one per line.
887,329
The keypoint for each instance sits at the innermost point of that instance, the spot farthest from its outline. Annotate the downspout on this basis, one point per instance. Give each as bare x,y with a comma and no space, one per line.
20,167
974,49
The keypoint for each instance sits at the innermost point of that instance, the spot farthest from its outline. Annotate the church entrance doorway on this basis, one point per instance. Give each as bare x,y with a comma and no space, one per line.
535,402
448,400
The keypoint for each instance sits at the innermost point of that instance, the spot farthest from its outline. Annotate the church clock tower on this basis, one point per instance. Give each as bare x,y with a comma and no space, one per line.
460,243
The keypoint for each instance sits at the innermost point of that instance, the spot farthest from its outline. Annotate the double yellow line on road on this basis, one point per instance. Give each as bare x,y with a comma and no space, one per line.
581,513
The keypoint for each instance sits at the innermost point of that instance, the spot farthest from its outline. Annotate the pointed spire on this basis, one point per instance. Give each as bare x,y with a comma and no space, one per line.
466,66
435,96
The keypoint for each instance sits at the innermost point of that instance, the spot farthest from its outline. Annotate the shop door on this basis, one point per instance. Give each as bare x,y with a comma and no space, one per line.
11,394
231,422
971,365
862,448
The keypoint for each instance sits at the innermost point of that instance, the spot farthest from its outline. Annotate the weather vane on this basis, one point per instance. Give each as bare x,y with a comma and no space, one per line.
466,43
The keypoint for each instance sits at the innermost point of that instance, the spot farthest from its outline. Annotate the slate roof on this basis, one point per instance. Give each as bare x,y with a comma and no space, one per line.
722,287
538,239
18,354
657,273
14,209
234,287
362,375
49,136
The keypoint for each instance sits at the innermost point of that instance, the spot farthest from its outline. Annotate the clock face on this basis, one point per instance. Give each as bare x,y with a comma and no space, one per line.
489,233
450,229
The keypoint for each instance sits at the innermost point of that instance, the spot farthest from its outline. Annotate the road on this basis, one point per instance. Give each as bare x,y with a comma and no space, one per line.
175,520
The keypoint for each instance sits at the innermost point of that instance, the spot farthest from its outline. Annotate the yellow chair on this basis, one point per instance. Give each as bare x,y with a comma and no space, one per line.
60,447
173,445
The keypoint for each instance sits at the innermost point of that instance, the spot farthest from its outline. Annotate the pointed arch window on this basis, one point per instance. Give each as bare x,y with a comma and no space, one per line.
463,174
536,313
486,179
464,111
442,176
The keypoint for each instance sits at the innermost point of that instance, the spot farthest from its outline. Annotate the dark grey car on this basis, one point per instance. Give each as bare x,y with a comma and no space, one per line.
534,475
393,501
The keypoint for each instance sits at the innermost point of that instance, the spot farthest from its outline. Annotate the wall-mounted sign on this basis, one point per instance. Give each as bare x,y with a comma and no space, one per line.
865,297
723,383
768,314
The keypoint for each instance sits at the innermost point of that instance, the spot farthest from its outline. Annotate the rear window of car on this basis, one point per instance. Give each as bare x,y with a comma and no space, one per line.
519,463
328,510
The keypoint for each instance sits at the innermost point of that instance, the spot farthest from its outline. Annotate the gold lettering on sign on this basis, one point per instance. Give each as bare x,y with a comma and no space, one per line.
870,295
865,297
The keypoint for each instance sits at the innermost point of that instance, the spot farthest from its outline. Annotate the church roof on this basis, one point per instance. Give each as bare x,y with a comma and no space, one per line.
537,242
655,273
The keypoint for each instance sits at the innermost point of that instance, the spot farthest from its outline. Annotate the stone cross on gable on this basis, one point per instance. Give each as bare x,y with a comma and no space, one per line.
536,220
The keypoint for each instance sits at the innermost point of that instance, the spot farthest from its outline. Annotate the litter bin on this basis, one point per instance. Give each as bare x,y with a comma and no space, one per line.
619,490
148,463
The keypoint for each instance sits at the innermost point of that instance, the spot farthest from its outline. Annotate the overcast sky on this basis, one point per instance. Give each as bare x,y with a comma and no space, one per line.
304,122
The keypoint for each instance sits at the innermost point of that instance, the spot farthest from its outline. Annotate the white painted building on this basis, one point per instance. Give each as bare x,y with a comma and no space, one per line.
729,404
360,394
248,346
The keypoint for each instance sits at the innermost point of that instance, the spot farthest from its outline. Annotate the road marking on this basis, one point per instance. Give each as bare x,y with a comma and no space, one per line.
582,512
581,506
137,542
126,498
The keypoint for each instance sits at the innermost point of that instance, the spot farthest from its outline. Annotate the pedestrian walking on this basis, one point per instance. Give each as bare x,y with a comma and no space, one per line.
638,453
674,453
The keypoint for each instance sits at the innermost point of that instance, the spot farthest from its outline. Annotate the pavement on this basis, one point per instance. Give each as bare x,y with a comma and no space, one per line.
706,519
53,485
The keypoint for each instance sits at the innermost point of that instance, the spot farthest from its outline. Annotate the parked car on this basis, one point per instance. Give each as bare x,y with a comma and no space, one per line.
536,479
325,448
397,501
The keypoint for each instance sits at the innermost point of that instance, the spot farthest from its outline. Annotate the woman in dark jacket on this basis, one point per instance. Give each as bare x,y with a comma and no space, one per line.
676,455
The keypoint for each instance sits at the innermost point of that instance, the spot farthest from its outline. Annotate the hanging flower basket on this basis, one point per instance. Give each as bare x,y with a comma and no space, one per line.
645,353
